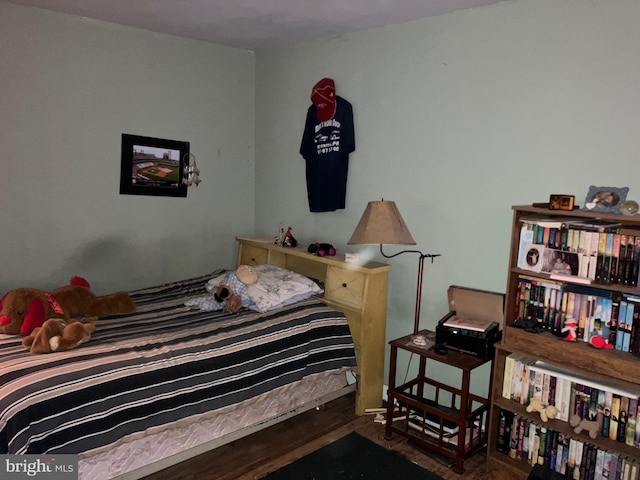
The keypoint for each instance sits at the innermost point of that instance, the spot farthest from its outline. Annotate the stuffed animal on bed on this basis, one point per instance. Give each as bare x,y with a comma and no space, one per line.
58,335
234,293
230,292
24,309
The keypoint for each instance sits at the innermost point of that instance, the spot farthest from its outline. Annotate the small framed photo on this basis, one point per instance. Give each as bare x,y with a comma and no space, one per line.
152,166
605,199
561,202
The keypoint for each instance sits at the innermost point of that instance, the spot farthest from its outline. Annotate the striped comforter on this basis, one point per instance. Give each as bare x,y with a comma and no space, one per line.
162,364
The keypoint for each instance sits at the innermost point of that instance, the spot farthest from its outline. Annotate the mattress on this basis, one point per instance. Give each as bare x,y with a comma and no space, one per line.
166,365
140,455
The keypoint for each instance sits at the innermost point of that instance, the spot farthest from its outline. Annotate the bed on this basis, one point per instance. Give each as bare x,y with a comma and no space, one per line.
171,381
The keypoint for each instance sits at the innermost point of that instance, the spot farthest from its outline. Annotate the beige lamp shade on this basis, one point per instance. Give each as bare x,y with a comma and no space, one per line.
381,223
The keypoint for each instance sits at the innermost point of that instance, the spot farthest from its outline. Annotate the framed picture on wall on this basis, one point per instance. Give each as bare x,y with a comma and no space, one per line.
152,166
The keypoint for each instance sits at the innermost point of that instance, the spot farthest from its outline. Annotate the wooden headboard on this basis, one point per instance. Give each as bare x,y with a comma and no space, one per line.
358,290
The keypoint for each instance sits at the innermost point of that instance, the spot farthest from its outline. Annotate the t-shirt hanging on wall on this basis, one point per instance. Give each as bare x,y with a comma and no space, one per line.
326,146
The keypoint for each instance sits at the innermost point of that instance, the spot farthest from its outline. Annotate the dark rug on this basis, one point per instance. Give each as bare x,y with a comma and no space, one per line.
352,457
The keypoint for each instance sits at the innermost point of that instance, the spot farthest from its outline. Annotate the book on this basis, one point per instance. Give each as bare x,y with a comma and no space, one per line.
520,438
513,439
526,438
593,255
608,258
613,320
507,380
634,343
592,461
620,329
628,266
615,415
622,419
631,422
578,399
563,396
600,258
577,377
571,458
613,466
636,440
600,410
501,442
606,466
584,457
504,436
551,449
526,238
615,256
626,466
586,402
633,281
606,418
542,447
534,444
622,260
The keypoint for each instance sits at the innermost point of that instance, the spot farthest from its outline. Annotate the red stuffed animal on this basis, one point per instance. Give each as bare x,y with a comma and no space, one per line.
24,309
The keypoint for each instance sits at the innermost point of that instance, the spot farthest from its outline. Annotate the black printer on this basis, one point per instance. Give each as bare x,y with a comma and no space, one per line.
474,322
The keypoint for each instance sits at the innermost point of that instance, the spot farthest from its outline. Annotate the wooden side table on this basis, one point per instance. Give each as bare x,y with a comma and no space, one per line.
446,419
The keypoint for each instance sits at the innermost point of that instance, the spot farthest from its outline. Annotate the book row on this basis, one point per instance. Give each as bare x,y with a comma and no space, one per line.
606,253
585,310
534,443
615,409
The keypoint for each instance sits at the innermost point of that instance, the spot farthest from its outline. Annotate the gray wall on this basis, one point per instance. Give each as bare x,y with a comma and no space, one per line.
70,88
457,118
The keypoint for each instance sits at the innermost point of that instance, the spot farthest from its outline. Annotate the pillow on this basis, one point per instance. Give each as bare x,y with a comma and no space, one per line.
277,287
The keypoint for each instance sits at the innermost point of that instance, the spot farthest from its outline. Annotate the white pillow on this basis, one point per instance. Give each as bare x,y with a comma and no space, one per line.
277,287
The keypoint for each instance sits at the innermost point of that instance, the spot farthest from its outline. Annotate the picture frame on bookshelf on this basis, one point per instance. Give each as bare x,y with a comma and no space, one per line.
532,258
538,258
561,202
605,199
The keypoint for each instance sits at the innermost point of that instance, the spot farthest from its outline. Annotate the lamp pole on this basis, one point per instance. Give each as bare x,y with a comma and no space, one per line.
422,256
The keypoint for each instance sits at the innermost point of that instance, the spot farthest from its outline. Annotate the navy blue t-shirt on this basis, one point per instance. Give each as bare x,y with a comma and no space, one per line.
326,147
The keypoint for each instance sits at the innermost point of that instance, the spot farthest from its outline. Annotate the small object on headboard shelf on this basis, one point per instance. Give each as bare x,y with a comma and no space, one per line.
285,239
322,249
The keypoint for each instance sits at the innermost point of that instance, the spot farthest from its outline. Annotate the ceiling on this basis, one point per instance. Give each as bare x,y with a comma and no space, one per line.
255,24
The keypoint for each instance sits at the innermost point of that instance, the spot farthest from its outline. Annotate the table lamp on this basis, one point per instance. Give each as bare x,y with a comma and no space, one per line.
381,223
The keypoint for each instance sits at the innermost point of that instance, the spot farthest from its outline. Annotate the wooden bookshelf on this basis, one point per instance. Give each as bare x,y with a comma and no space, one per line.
605,366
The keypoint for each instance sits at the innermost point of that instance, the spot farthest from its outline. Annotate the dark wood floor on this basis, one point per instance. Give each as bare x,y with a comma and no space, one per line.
255,456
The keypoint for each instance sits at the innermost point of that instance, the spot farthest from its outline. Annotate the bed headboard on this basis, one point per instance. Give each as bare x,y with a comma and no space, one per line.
358,290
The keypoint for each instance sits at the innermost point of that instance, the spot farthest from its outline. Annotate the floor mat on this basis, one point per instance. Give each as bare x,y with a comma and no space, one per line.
352,457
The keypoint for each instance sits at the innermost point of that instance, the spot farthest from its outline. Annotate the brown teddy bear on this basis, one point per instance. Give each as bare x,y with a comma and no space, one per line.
24,309
58,335
580,424
546,411
232,302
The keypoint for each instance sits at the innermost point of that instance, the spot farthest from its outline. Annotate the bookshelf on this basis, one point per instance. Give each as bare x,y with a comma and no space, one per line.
604,366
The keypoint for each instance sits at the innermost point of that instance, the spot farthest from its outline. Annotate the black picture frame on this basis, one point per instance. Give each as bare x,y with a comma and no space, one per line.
152,166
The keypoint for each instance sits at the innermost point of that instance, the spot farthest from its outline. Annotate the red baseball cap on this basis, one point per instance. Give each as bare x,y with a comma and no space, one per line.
323,96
